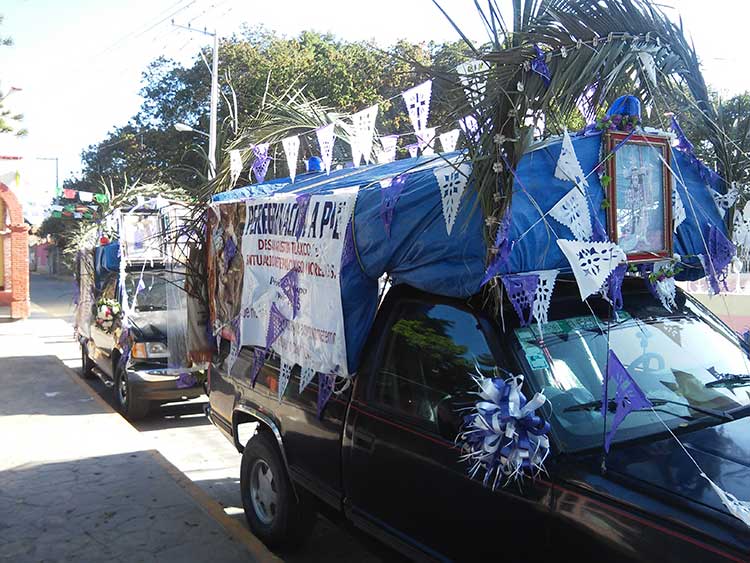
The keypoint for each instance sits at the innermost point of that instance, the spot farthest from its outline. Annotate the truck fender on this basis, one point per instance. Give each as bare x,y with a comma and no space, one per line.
243,414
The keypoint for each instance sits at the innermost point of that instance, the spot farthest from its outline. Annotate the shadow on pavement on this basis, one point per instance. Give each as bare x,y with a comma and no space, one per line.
114,507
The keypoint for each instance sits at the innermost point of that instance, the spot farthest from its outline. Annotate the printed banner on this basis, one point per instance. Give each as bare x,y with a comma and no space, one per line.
314,334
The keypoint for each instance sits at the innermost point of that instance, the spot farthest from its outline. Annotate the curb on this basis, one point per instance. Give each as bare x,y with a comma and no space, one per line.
238,532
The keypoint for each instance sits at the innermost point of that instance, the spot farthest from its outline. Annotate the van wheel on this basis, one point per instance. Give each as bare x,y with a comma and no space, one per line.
272,511
87,366
129,406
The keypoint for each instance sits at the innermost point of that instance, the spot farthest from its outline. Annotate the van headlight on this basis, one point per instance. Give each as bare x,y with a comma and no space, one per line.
145,350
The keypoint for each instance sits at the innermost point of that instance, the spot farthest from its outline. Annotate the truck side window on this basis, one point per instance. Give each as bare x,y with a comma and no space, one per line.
431,354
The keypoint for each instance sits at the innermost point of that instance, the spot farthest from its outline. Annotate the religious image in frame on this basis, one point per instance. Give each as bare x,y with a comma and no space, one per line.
640,196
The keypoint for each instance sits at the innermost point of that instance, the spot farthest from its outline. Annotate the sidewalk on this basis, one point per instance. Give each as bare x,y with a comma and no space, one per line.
78,483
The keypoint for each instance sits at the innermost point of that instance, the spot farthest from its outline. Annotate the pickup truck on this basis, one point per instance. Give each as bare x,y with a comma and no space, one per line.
384,453
145,379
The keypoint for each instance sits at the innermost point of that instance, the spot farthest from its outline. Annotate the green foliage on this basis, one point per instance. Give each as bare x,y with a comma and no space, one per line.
8,120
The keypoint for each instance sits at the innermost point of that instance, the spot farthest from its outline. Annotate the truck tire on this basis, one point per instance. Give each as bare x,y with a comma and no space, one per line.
129,406
272,511
87,366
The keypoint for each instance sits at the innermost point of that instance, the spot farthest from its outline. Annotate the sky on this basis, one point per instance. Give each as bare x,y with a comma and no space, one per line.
79,62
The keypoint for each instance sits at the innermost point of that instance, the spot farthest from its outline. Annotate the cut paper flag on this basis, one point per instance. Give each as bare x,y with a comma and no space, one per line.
452,183
449,140
472,80
325,390
101,198
678,209
389,196
289,284
741,230
69,194
725,201
426,140
364,128
325,137
568,167
666,290
738,508
261,161
470,127
521,289
291,151
539,66
259,358
502,249
277,324
305,377
413,150
613,286
544,288
303,202
388,152
234,347
86,197
720,254
572,211
235,165
285,373
417,102
585,104
591,262
628,396
648,65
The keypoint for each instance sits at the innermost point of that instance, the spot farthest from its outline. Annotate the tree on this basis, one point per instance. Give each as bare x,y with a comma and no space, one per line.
8,120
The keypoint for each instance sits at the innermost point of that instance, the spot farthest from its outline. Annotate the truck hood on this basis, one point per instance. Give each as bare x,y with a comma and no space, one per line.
722,452
152,325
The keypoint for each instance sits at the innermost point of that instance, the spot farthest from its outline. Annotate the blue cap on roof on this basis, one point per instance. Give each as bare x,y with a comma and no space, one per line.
315,164
625,105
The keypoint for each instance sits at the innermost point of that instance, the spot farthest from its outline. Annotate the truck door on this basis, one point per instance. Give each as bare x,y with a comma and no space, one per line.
404,475
102,336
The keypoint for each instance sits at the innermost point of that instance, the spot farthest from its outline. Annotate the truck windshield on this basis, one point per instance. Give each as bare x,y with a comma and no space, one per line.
690,367
152,295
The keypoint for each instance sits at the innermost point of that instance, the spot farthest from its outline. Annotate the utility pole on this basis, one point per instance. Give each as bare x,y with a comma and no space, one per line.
214,102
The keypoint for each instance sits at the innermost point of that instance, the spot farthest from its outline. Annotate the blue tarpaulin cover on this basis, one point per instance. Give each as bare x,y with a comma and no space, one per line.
106,260
420,252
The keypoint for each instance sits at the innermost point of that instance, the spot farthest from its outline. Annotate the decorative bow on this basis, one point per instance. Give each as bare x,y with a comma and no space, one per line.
503,436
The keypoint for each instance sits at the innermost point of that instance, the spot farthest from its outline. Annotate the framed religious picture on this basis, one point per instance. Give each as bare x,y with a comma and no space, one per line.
141,236
640,195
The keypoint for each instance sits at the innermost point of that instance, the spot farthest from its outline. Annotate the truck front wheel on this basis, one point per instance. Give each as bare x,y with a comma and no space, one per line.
272,511
129,406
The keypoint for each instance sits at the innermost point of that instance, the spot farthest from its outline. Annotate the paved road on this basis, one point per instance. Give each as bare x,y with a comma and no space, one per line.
185,437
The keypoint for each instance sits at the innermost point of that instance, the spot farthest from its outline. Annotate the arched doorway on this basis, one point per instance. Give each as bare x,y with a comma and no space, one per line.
14,234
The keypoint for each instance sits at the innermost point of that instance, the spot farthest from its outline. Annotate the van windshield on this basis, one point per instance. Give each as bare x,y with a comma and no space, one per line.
152,295
691,367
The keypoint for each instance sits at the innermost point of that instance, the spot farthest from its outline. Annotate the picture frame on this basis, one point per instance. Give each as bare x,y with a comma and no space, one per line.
142,237
639,193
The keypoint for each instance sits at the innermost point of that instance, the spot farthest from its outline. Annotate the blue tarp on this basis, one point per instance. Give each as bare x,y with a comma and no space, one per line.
419,251
106,260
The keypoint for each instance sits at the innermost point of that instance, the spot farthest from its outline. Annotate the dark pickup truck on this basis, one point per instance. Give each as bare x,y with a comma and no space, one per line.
384,453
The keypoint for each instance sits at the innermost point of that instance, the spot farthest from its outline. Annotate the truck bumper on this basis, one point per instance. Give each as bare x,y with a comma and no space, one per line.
162,385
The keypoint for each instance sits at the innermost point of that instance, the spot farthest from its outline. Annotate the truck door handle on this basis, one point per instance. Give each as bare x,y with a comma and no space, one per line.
364,441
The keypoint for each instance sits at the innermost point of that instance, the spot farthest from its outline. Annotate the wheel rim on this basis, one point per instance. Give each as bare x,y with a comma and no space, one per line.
263,493
122,388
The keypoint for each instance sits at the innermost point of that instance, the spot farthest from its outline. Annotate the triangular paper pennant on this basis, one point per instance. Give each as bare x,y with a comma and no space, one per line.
452,183
666,291
325,137
285,372
568,168
572,211
591,262
388,152
449,139
259,358
261,161
303,202
521,289
364,128
305,377
389,196
738,508
678,209
725,201
426,140
473,80
291,151
413,150
325,390
235,165
417,102
741,230
86,196
628,395
289,285
277,324
543,294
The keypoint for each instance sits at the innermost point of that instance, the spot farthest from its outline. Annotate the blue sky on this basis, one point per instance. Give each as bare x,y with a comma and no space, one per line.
79,62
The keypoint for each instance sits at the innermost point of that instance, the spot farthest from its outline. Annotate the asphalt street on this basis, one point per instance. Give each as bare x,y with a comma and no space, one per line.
185,437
